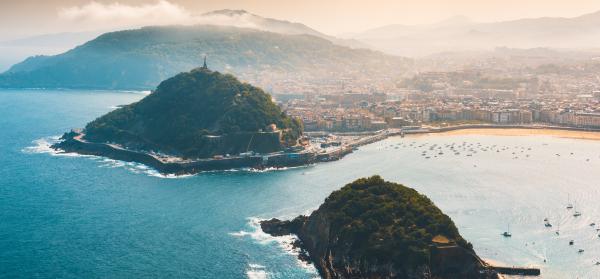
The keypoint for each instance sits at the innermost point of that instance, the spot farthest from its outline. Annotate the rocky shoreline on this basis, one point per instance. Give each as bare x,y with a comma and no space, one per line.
445,259
72,142
389,250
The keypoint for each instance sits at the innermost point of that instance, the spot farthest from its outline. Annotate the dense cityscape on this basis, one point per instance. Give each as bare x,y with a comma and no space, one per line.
553,94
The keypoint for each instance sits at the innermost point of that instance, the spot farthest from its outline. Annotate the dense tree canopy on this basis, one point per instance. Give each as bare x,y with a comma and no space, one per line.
379,221
187,112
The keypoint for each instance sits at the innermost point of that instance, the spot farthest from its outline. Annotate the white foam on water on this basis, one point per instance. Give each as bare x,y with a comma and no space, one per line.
257,266
42,146
256,271
155,173
286,242
110,163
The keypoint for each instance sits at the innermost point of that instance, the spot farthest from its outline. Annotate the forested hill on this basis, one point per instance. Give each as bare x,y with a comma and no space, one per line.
198,114
372,228
141,58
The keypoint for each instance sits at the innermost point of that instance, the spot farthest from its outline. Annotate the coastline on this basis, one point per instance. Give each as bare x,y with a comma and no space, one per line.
73,143
524,131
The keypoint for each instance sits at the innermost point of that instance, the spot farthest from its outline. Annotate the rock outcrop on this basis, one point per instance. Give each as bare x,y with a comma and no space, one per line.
372,228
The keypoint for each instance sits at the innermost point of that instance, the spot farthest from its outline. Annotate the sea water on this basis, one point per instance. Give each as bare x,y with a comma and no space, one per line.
89,217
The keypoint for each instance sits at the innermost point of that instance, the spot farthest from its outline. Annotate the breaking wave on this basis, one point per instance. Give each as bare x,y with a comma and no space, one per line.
286,243
256,271
43,146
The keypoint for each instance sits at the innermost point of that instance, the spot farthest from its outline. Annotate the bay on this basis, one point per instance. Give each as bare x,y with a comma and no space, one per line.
89,217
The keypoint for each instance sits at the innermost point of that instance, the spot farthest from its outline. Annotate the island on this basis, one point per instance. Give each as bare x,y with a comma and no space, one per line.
195,121
372,228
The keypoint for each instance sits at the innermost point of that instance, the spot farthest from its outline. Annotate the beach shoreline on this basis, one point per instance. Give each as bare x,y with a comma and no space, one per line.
73,143
571,133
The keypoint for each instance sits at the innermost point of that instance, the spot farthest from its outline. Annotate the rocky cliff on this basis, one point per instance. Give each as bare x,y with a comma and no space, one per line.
372,228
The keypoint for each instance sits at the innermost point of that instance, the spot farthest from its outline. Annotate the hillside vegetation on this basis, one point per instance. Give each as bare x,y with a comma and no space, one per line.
198,114
372,228
142,58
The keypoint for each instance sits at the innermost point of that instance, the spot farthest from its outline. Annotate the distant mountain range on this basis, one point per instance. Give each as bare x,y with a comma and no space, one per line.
14,51
141,58
460,33
242,18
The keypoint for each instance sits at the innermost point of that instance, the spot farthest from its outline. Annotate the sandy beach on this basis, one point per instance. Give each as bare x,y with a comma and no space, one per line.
587,135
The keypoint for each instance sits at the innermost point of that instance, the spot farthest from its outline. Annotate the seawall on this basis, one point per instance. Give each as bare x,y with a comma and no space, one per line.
72,143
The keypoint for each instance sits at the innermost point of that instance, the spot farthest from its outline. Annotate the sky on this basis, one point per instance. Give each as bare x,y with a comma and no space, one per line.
23,18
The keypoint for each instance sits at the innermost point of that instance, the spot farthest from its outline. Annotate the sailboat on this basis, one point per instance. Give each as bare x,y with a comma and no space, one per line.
569,204
507,232
576,214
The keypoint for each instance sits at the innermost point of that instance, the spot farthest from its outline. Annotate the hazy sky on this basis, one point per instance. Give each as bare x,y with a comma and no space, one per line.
21,18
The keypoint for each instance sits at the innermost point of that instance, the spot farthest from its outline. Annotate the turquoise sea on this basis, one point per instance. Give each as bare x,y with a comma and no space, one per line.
88,217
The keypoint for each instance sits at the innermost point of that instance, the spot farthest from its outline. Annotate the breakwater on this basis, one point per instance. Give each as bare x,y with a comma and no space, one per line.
73,143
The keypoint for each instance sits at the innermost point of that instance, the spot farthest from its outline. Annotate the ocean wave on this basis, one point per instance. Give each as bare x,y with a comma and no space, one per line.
286,242
43,145
155,173
256,271
139,168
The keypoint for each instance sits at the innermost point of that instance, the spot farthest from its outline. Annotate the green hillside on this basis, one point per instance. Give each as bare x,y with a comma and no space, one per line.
198,114
372,228
142,58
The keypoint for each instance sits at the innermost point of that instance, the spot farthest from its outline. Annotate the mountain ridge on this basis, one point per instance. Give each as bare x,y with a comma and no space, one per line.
242,18
459,35
141,58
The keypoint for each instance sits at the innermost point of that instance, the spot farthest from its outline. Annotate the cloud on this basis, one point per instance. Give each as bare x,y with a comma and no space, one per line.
115,14
162,12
